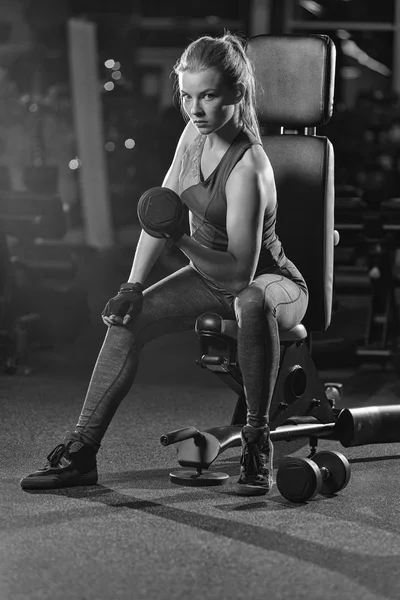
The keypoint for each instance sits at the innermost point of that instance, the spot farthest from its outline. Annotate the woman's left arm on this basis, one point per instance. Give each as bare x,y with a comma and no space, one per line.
249,190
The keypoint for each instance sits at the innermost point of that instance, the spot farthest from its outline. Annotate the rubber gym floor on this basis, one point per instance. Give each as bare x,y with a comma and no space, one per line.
137,536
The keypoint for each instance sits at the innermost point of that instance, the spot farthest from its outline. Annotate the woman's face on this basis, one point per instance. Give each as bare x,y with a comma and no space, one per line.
207,100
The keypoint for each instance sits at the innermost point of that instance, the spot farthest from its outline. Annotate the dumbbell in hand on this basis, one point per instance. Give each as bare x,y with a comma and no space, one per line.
300,479
162,214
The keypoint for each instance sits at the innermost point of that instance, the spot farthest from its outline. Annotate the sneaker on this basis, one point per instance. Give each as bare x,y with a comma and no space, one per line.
69,464
256,462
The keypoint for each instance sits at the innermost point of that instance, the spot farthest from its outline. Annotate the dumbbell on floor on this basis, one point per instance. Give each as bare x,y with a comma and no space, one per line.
300,479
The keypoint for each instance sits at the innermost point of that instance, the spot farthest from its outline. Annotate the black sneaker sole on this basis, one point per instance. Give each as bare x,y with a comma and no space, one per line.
51,482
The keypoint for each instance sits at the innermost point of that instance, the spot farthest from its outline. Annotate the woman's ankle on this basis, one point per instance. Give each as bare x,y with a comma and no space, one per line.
83,438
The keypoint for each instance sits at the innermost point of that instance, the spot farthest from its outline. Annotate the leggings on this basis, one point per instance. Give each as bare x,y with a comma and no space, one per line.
172,305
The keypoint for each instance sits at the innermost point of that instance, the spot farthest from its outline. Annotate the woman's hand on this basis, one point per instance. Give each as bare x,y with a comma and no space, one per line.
128,302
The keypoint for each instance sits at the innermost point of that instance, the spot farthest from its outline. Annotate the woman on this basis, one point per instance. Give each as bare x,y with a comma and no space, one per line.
237,267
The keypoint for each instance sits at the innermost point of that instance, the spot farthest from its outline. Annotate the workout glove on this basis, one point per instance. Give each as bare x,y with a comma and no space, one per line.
128,301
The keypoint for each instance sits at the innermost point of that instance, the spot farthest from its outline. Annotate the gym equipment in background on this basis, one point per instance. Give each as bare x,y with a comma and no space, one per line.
38,278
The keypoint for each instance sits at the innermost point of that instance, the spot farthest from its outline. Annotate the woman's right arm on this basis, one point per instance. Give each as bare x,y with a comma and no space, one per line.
148,248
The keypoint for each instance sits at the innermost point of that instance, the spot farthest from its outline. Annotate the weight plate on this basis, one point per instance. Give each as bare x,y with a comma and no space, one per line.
338,474
193,479
299,479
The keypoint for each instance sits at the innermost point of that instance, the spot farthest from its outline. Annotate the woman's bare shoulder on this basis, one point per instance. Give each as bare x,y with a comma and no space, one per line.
253,164
254,172
256,159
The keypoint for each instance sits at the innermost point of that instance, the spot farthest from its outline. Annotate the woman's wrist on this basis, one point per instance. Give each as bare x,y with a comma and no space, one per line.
132,284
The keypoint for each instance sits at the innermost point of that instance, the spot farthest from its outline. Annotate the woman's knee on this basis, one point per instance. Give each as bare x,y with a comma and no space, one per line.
251,303
252,295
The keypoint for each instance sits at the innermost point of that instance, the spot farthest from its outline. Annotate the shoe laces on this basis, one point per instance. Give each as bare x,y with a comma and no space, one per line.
56,455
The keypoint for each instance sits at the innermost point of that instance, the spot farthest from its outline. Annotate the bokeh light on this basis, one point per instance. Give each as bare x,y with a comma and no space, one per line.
75,163
129,143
